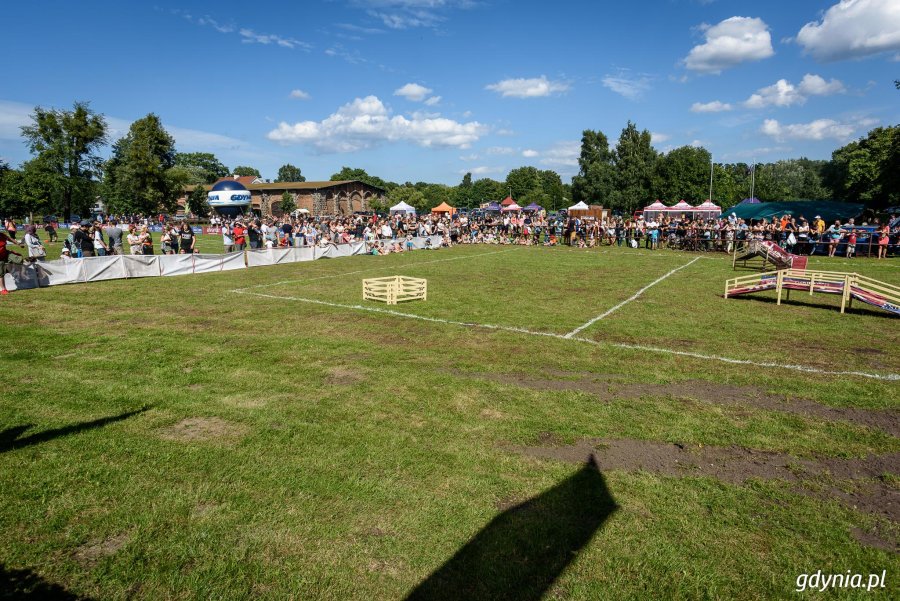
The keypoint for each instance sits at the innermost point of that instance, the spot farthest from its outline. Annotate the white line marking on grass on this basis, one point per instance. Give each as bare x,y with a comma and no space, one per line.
629,299
622,345
401,266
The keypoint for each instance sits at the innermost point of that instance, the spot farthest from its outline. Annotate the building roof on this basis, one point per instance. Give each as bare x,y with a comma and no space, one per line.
296,185
244,179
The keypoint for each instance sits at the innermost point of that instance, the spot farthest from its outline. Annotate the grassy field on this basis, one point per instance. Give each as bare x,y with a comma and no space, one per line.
268,434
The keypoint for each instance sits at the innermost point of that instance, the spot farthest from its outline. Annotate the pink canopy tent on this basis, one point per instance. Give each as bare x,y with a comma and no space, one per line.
708,210
510,208
682,207
653,211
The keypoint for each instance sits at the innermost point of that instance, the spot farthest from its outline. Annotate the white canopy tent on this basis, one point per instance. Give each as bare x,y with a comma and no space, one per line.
402,207
581,206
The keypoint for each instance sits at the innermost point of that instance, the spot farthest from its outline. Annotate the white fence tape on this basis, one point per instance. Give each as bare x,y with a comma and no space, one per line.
93,269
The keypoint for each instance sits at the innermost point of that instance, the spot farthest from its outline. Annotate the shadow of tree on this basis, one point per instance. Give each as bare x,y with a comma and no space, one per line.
522,551
28,586
10,441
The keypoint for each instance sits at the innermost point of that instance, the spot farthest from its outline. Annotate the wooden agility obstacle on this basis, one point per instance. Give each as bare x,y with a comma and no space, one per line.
395,289
849,285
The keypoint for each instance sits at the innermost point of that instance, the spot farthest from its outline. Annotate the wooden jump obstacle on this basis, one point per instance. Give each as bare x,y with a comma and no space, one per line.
395,289
849,285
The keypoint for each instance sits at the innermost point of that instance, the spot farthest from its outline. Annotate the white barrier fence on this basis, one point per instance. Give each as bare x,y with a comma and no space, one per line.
117,267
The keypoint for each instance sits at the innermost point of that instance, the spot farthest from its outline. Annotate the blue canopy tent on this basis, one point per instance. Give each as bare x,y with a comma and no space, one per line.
828,210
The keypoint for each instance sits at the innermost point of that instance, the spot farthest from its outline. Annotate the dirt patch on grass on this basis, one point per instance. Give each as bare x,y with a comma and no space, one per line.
90,553
244,402
870,491
608,390
204,429
874,539
489,413
343,375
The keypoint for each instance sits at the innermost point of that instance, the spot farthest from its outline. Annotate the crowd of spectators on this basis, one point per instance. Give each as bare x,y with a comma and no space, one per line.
393,233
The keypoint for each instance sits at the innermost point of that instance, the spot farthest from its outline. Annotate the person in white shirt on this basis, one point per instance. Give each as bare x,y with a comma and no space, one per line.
386,232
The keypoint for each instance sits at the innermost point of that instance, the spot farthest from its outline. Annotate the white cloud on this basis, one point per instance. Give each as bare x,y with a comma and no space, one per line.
433,101
413,92
299,94
469,157
505,132
710,107
13,115
814,85
529,153
656,137
406,14
482,170
697,143
731,42
631,87
367,122
820,129
784,93
853,29
248,36
534,87
562,155
494,150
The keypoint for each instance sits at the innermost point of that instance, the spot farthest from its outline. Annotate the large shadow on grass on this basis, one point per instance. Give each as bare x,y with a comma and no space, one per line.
522,551
10,441
26,585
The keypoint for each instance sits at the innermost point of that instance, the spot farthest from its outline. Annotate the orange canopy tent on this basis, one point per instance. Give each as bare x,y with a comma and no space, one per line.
507,201
443,208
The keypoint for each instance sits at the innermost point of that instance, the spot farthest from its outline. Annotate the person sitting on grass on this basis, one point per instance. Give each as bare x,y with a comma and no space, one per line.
7,257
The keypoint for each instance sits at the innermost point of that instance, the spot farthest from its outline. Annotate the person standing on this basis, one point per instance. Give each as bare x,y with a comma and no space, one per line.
84,240
146,241
186,239
51,231
36,250
883,238
6,257
227,238
100,246
11,228
240,235
114,235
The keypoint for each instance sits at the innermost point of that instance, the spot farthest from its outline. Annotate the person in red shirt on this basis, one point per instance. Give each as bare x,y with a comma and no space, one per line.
7,256
240,235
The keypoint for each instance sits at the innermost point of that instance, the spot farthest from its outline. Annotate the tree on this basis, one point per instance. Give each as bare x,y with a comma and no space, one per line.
635,162
462,195
65,145
289,173
552,189
865,170
683,173
139,176
347,173
198,203
410,195
242,171
523,182
288,205
487,190
204,166
596,174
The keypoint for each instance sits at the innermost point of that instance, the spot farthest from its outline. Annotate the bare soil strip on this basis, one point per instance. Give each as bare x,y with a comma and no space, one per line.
609,389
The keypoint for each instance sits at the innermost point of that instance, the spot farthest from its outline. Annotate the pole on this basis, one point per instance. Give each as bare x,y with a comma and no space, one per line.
752,177
710,177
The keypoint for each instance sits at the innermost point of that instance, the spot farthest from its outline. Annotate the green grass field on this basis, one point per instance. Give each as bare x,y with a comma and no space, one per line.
268,434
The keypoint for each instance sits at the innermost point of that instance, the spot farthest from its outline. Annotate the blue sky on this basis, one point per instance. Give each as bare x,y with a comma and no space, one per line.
425,90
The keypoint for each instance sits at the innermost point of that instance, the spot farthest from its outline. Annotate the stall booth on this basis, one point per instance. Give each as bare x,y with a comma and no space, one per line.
583,210
681,209
707,210
533,208
511,208
654,211
402,207
444,208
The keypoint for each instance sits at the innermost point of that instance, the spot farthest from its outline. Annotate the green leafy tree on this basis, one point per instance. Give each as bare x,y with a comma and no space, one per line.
682,173
523,182
243,171
410,195
487,190
65,145
635,163
553,193
288,204
596,177
204,167
462,195
865,170
289,173
139,176
348,173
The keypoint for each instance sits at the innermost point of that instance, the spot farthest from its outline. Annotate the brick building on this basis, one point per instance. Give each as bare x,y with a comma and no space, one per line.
319,198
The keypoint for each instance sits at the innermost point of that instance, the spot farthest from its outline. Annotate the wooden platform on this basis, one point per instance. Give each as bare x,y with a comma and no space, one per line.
395,289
